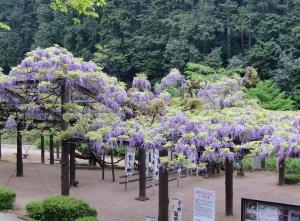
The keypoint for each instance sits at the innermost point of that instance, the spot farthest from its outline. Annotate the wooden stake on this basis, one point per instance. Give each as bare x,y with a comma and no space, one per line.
51,149
65,162
142,175
229,187
19,151
73,181
281,170
42,148
163,211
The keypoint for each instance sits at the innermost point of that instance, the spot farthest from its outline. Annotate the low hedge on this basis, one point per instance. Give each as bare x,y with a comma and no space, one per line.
35,210
59,208
7,198
292,179
89,218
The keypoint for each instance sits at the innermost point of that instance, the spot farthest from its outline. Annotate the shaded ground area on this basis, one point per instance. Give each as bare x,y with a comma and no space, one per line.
9,217
114,204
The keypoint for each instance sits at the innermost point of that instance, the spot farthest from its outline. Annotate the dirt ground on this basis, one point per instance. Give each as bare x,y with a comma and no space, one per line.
114,204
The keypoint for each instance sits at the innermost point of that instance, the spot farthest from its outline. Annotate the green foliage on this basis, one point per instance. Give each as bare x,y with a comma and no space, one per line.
89,218
292,179
202,72
7,198
270,96
34,210
4,26
247,163
119,151
271,163
85,7
135,36
292,166
213,59
59,208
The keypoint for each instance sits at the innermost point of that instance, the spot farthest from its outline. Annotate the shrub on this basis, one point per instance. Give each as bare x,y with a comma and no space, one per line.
292,179
35,210
270,96
292,165
271,163
59,208
247,163
88,218
7,198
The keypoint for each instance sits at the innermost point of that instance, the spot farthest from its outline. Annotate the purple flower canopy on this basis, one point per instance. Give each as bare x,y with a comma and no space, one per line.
35,84
129,112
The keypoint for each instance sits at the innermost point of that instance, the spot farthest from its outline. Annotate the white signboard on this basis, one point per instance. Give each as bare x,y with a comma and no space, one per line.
193,159
129,161
204,205
268,213
148,161
176,209
155,164
149,218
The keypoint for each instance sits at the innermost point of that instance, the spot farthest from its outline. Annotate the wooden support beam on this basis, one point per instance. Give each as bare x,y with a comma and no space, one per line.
73,181
0,146
19,151
65,161
229,187
163,198
281,171
42,148
86,91
51,148
112,166
142,175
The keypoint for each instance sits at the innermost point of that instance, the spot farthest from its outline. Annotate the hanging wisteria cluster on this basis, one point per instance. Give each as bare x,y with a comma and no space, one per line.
219,123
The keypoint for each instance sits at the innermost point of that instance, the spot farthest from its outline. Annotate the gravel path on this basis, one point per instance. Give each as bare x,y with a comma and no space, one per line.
114,204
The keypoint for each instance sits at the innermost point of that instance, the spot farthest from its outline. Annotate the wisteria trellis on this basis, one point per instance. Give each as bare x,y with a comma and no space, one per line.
212,118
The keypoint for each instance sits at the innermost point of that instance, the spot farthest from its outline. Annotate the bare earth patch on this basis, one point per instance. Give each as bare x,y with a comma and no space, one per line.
114,204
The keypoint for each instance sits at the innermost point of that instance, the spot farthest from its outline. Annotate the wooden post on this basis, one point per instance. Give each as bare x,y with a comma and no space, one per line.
209,169
103,166
142,175
0,147
57,151
163,207
19,151
263,163
51,149
42,148
281,170
112,166
72,165
65,167
229,187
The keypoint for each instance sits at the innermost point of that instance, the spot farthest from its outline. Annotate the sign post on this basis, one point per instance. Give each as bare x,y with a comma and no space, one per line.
176,209
204,205
149,218
259,210
129,161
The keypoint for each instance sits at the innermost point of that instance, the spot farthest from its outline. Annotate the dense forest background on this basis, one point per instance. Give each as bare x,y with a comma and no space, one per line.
152,36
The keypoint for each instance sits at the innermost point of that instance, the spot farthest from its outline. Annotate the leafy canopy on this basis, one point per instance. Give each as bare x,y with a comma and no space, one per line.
85,7
270,96
4,26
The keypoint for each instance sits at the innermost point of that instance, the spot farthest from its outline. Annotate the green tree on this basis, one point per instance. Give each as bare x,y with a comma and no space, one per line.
270,96
85,7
